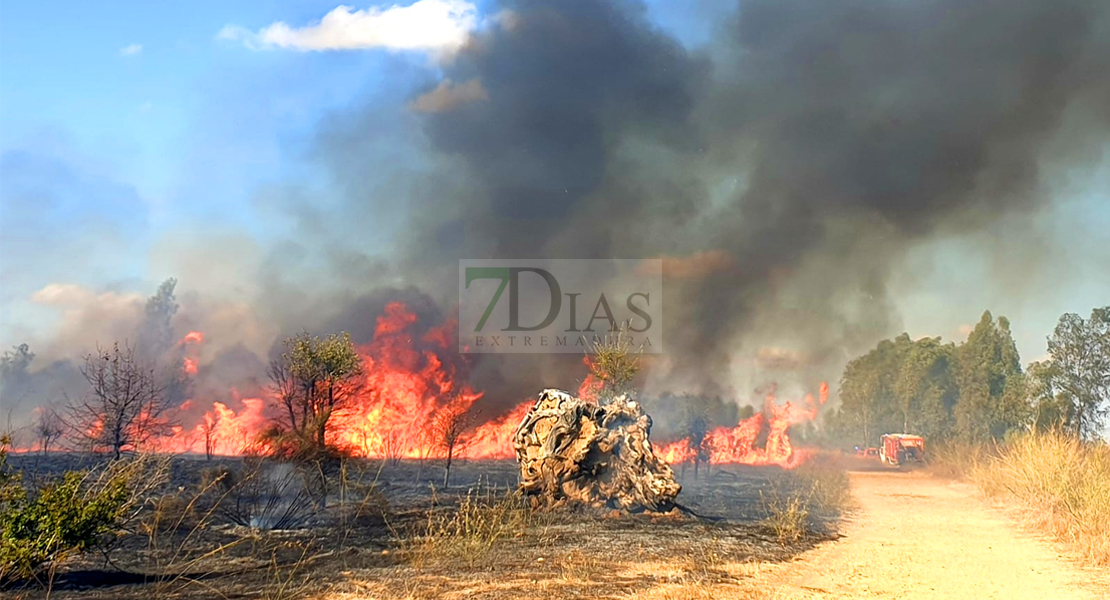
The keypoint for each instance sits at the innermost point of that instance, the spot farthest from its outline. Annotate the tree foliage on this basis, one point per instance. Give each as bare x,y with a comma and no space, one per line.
988,375
614,364
312,380
1074,384
977,391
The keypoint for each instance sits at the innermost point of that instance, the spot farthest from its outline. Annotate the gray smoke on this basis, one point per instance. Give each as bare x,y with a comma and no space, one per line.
810,143
781,168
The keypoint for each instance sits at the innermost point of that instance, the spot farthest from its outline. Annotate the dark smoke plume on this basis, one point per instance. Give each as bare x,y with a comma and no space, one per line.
781,168
809,144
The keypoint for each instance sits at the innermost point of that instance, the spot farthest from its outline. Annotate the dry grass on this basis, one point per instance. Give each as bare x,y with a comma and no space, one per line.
957,460
469,531
1062,483
817,487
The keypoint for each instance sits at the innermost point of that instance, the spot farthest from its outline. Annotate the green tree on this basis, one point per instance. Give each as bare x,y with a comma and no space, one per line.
314,378
868,397
1077,375
991,401
1052,409
925,388
614,364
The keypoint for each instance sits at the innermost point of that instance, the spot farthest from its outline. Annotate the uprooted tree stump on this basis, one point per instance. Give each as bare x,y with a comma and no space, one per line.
574,452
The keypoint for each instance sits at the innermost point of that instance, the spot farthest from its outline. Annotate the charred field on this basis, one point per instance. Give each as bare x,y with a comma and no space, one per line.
392,530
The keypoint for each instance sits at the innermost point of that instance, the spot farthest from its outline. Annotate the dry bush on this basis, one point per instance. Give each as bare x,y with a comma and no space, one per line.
792,504
957,460
468,532
1062,482
826,479
174,525
787,513
705,562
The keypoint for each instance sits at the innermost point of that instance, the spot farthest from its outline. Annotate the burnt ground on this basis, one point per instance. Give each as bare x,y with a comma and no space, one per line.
371,540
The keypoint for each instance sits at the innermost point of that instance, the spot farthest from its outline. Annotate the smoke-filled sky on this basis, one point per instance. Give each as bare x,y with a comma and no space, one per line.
817,174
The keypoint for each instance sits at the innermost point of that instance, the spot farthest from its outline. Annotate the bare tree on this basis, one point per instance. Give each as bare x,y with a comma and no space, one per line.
208,430
696,424
49,427
125,406
449,434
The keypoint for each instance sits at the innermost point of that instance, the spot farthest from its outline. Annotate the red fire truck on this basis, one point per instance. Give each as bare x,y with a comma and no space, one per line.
901,448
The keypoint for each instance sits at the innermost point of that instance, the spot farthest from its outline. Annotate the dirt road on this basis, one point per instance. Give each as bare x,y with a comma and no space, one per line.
919,537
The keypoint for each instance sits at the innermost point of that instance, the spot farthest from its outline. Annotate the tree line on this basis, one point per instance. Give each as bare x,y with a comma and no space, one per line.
977,391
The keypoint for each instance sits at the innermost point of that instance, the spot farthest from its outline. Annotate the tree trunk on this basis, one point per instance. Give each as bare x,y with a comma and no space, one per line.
572,451
447,471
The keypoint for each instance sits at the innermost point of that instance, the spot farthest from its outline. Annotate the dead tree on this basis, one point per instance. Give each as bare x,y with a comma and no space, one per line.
49,427
208,430
124,408
449,434
696,425
576,452
393,447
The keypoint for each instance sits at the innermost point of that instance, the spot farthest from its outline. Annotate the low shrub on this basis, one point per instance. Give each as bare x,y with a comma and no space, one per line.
63,517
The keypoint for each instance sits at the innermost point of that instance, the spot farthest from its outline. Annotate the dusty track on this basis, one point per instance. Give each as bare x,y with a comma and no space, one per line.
919,537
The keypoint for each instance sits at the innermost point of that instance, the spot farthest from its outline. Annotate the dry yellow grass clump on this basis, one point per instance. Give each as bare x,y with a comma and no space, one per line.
1062,483
818,486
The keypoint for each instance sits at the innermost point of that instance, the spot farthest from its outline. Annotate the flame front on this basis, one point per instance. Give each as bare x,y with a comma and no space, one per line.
406,380
409,377
739,444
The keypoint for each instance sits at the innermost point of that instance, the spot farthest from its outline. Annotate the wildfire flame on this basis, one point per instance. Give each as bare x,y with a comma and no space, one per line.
407,379
738,445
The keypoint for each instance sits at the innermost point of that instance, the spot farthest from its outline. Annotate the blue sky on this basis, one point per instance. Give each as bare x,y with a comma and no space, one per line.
122,123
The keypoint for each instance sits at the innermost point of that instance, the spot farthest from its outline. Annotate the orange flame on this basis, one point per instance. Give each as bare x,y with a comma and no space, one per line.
738,445
591,386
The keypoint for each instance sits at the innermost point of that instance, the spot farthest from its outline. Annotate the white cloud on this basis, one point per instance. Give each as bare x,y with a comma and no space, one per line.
131,50
428,25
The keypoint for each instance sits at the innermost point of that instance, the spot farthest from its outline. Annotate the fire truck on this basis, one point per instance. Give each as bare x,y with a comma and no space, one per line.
897,449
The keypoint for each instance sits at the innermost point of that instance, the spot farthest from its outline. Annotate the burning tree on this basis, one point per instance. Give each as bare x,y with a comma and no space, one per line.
449,433
125,407
696,426
208,431
313,380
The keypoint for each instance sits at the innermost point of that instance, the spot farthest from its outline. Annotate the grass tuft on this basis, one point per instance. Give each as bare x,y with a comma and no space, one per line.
819,487
482,519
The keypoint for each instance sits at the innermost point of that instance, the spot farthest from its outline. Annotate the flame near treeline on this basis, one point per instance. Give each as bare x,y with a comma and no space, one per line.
407,378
